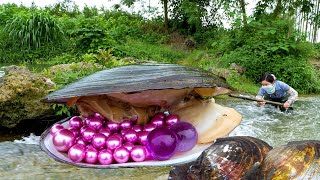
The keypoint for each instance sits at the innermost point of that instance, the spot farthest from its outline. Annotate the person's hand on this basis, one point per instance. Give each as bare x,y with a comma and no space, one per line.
286,105
261,103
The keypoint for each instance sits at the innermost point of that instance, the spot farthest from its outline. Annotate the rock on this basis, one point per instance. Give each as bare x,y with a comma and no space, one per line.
73,67
238,68
20,94
225,73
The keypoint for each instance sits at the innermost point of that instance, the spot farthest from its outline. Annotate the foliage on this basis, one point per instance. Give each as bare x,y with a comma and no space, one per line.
32,30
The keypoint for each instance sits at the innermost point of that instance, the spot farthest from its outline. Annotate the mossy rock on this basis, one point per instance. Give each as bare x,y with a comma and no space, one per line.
20,94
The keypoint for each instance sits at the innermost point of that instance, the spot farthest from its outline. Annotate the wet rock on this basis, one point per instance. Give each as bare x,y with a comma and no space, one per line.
20,94
237,68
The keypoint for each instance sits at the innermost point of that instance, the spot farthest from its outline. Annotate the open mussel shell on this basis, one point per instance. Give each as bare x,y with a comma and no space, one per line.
226,158
135,78
296,160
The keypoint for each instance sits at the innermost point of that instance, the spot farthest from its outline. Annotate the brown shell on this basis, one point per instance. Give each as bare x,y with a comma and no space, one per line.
226,158
136,78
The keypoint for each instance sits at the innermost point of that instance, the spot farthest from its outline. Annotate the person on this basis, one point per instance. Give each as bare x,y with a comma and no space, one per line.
275,90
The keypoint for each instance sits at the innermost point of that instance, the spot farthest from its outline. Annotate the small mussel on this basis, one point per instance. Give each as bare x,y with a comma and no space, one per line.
226,158
296,160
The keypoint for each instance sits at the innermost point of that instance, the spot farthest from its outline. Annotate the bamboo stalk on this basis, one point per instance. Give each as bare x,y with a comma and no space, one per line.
255,99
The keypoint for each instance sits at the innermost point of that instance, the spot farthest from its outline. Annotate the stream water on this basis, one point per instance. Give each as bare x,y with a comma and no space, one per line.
23,159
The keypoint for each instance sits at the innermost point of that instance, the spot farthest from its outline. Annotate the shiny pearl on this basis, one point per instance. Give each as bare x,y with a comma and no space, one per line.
134,120
98,115
130,136
138,153
157,121
75,131
63,140
96,123
87,134
126,124
88,119
149,127
55,128
113,126
137,128
172,119
113,142
76,153
142,137
79,140
99,141
76,122
121,154
105,157
91,155
128,145
105,131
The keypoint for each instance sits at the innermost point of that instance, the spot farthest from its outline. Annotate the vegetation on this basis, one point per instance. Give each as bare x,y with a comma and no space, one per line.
273,39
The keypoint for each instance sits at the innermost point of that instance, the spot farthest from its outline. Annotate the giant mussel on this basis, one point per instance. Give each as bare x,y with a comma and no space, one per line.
141,91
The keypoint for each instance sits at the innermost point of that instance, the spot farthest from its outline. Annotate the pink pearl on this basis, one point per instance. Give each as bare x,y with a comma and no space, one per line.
98,115
105,157
99,141
55,128
76,153
79,140
149,127
128,145
126,124
121,155
82,129
63,140
157,121
105,132
160,116
172,119
137,128
96,123
138,153
130,136
75,131
113,126
123,131
87,134
142,137
91,155
76,122
88,119
113,142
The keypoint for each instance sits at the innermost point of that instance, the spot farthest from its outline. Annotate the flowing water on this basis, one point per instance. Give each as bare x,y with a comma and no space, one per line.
23,159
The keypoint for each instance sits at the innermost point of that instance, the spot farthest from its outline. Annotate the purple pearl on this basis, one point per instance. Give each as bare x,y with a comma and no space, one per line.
88,119
123,131
172,119
159,116
148,155
76,122
142,137
113,142
187,135
55,128
83,128
79,140
126,124
98,115
162,143
87,134
128,145
130,136
96,123
138,153
105,131
137,128
121,155
91,155
75,131
113,126
99,141
157,121
105,157
63,140
149,127
77,153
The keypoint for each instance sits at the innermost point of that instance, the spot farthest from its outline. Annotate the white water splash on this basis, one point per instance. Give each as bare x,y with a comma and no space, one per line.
32,139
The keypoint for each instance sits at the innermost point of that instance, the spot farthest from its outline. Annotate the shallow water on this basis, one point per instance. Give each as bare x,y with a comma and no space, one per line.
23,159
